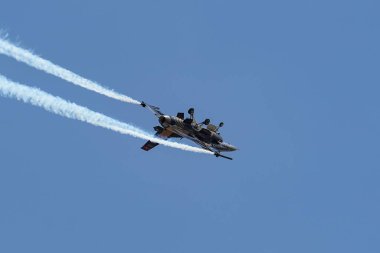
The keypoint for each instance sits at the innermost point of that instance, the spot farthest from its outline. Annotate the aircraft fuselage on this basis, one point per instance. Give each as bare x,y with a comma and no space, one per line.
191,130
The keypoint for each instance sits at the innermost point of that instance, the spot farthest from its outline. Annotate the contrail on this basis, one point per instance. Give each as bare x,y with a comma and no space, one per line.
25,56
70,110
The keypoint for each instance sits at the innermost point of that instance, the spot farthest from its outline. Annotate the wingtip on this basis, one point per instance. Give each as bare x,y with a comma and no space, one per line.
220,155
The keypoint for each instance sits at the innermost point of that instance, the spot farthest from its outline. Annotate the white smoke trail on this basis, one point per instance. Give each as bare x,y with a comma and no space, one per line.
25,56
70,110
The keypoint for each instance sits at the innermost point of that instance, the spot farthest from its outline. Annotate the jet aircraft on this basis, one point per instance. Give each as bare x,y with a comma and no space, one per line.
204,134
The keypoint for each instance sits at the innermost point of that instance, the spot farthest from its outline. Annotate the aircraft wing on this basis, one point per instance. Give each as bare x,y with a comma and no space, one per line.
205,146
154,109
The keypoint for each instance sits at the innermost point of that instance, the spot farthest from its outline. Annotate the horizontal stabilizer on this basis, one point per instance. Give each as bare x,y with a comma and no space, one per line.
149,145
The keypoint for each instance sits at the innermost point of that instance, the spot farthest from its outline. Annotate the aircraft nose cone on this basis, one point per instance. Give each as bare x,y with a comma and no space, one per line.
229,147
232,148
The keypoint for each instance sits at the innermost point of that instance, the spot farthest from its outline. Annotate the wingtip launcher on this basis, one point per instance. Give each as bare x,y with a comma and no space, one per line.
220,155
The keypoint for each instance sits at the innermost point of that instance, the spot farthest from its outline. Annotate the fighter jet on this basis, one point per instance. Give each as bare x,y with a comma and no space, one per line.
204,134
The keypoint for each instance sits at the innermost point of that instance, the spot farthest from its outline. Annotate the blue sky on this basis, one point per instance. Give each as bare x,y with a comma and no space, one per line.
296,83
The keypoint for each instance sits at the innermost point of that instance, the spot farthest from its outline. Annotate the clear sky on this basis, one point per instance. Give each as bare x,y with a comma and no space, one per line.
296,83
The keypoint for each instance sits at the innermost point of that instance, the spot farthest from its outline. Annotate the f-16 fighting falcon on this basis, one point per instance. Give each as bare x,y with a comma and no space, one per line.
204,134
